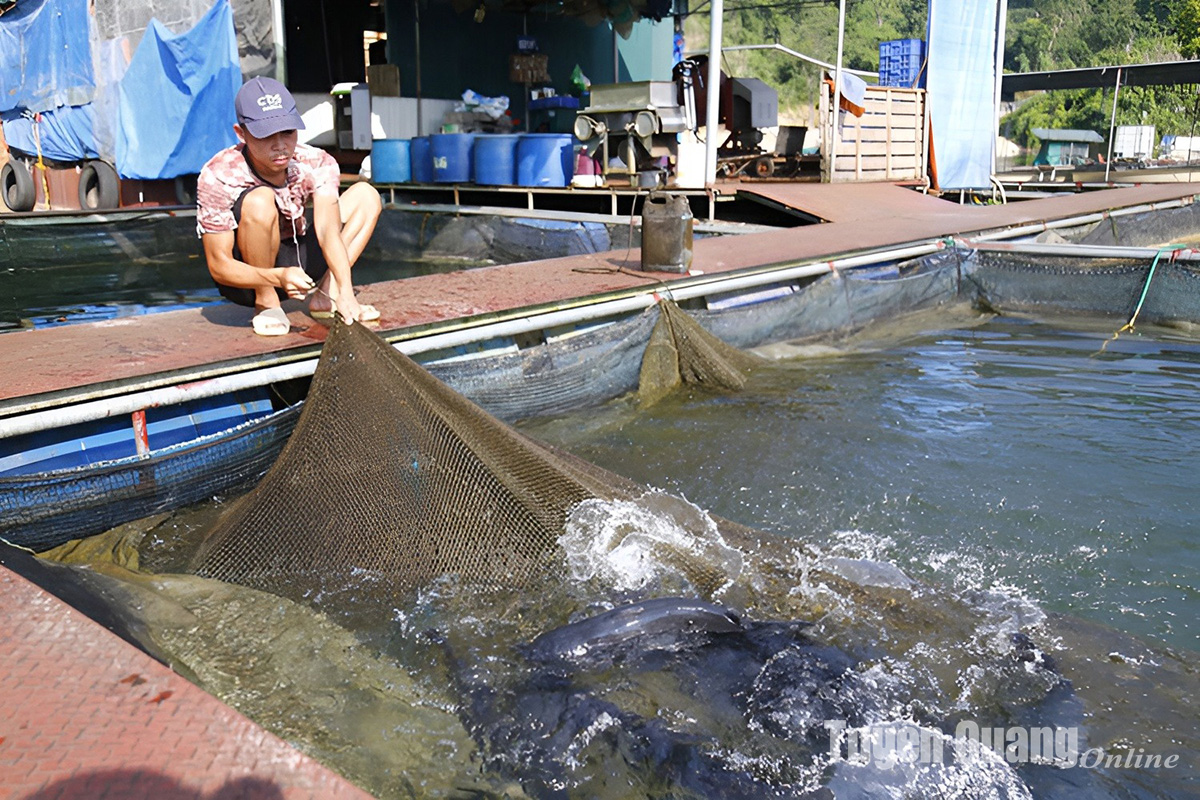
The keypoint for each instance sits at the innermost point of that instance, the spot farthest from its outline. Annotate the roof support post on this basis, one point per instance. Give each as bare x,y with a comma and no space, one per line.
713,91
1112,126
417,56
1001,31
277,41
836,106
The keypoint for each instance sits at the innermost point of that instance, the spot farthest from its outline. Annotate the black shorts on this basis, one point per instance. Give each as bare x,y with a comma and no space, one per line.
292,252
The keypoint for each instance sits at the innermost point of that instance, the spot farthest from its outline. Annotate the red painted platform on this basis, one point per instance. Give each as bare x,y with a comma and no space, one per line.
845,202
60,359
87,716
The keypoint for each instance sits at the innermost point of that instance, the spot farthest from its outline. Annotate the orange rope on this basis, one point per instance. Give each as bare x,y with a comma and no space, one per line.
41,165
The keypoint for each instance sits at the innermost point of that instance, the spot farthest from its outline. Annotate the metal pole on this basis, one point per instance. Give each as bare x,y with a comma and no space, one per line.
1192,134
616,58
1112,126
835,106
417,55
1001,29
277,41
713,93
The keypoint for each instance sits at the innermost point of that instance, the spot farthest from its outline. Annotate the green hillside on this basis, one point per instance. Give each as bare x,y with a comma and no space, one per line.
1041,35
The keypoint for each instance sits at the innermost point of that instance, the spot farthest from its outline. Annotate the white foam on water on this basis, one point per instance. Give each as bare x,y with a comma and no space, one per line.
869,559
582,739
629,544
967,771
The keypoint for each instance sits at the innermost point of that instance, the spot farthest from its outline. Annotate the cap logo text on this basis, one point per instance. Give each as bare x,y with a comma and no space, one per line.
270,102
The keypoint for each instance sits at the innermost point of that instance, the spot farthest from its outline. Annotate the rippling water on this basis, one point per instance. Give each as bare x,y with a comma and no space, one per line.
1006,454
1039,491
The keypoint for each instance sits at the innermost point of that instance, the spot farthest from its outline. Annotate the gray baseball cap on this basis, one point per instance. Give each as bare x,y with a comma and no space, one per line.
264,107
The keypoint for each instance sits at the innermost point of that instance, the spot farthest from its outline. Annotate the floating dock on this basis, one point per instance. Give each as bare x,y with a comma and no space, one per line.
57,367
86,709
88,716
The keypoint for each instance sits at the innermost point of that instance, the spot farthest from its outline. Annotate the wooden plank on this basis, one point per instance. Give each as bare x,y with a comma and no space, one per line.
890,133
876,159
886,143
904,135
877,149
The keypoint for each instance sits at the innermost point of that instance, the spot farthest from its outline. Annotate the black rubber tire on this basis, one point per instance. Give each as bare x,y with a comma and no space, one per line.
17,185
185,190
764,166
99,187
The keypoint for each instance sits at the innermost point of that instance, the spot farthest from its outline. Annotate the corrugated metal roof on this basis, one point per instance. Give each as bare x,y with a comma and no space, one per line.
1167,73
1066,135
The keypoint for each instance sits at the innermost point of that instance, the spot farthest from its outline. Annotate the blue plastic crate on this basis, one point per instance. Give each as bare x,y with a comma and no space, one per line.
902,47
901,62
557,101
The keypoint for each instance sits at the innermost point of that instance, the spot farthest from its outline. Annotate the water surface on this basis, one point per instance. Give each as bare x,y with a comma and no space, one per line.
1010,453
981,519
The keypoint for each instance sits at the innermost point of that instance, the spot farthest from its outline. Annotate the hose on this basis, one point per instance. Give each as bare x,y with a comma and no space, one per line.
1128,326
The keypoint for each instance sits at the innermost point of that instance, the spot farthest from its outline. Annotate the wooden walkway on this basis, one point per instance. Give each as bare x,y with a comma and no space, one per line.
65,359
846,202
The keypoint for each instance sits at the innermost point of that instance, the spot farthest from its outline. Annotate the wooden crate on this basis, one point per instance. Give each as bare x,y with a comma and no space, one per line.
887,143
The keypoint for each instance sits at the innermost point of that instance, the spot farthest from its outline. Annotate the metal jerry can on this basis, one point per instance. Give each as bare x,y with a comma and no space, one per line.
666,233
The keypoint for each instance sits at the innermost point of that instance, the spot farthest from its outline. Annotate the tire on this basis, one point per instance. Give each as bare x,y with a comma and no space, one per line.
99,188
185,190
17,185
764,166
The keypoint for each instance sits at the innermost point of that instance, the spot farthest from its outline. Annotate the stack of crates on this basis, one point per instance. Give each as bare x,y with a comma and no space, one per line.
901,63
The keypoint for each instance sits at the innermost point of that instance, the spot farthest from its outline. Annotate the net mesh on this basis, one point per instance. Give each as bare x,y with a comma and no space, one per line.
1064,285
681,352
392,472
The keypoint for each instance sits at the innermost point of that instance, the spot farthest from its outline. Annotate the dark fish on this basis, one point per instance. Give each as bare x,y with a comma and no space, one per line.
667,623
560,728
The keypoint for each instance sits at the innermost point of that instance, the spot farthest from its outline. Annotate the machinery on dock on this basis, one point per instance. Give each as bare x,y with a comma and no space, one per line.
633,129
635,122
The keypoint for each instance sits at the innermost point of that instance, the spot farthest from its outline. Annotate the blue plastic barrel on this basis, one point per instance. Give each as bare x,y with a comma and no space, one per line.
496,159
391,161
422,160
451,157
545,159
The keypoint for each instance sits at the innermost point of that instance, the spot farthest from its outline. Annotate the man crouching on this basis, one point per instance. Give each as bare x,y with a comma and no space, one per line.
250,202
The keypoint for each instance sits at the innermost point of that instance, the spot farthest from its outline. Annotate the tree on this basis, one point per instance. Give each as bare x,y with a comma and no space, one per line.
1185,20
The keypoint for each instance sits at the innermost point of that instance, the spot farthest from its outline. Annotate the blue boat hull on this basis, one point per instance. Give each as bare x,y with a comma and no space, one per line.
45,509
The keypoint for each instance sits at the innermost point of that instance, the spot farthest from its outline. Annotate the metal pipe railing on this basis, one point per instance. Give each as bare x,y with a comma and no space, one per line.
696,286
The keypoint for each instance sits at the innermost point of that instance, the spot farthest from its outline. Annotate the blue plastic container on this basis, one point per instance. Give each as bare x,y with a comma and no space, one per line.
391,161
451,154
901,62
496,159
422,160
545,159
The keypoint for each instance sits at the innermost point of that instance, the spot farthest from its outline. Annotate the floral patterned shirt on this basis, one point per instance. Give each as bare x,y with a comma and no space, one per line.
312,171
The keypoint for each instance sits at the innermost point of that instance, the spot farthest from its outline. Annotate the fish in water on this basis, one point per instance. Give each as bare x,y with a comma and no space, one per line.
662,624
566,726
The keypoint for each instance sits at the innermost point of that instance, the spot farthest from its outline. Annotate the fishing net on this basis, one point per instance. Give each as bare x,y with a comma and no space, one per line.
1064,285
391,472
681,352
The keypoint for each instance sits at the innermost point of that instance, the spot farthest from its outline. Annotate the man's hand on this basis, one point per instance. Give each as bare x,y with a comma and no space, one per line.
296,282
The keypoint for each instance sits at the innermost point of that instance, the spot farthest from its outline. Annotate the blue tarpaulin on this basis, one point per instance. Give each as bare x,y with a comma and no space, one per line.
176,98
961,89
45,57
65,134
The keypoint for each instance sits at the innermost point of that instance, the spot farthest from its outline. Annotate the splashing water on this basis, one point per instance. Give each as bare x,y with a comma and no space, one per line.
629,544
